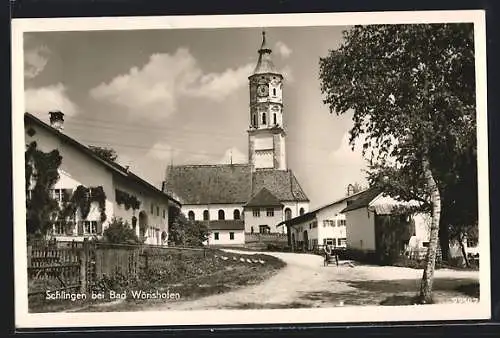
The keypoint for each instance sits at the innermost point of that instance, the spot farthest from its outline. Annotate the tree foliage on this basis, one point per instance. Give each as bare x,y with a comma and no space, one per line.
120,232
185,232
105,153
41,170
411,89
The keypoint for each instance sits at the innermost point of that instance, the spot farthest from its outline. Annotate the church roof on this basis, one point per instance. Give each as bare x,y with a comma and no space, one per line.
230,184
265,63
264,198
224,224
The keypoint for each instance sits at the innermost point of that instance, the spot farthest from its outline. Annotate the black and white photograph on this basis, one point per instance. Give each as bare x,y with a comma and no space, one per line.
250,169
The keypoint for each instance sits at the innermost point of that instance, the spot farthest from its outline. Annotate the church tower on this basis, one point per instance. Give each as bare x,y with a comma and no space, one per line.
266,134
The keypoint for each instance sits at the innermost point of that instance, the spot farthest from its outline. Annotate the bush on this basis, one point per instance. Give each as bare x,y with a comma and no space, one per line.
278,247
120,232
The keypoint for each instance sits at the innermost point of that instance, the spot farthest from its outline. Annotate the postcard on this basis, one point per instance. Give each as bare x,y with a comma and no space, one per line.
250,169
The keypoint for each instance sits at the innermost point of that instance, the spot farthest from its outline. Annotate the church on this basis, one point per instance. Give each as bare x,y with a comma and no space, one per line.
239,199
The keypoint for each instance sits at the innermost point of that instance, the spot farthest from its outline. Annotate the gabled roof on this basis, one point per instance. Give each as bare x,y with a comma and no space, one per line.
113,166
230,184
281,183
224,224
312,214
264,198
362,199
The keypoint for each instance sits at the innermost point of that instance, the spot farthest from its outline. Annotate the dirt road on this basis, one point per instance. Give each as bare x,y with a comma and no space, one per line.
305,282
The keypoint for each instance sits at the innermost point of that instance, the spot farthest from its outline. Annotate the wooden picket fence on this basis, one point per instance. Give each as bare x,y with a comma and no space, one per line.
78,266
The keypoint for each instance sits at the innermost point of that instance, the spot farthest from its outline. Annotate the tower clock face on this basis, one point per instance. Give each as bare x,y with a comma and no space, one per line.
262,90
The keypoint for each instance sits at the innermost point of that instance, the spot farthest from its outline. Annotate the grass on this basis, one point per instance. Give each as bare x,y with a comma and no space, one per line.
189,276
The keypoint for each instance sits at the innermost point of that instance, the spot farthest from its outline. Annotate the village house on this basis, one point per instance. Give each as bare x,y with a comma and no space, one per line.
374,226
261,193
114,191
322,226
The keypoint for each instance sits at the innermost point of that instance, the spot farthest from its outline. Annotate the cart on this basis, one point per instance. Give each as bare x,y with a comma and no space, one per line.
332,258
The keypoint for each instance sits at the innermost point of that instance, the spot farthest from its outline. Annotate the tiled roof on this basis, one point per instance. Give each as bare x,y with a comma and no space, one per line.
264,198
229,184
225,224
362,199
281,183
205,184
115,167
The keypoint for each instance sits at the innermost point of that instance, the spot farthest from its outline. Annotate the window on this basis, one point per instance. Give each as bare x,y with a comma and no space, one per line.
157,211
310,226
61,195
206,215
254,117
341,223
274,91
164,213
301,211
264,118
236,214
231,235
191,215
59,228
275,119
152,209
328,223
256,212
216,236
90,227
288,214
221,215
264,229
270,212
342,241
315,224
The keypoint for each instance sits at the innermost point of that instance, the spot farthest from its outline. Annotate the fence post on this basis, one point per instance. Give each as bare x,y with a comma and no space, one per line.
83,266
29,255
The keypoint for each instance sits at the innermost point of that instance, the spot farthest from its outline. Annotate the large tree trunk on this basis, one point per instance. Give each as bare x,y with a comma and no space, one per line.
427,278
444,239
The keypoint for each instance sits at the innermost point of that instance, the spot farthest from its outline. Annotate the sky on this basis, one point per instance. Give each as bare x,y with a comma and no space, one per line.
181,96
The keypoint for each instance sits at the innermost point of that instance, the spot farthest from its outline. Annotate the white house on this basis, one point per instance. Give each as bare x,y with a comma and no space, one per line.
226,232
372,224
325,225
114,191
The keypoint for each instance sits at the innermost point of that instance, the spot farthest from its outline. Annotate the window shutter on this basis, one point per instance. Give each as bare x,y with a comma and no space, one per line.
80,228
99,228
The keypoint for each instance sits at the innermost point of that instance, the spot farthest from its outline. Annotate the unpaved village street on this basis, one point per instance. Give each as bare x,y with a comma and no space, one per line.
305,282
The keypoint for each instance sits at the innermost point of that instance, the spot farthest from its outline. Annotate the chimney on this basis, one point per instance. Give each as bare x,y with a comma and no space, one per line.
56,120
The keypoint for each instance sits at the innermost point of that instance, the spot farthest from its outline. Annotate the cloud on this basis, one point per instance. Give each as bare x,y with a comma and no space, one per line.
35,61
162,151
287,74
344,154
157,87
235,154
283,50
40,101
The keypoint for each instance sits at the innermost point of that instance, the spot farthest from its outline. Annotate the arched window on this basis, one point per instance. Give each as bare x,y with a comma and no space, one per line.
275,119
206,215
236,214
191,215
274,91
254,119
301,211
263,118
221,214
288,214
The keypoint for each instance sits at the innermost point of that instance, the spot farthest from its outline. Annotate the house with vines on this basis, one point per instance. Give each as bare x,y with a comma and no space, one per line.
88,191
